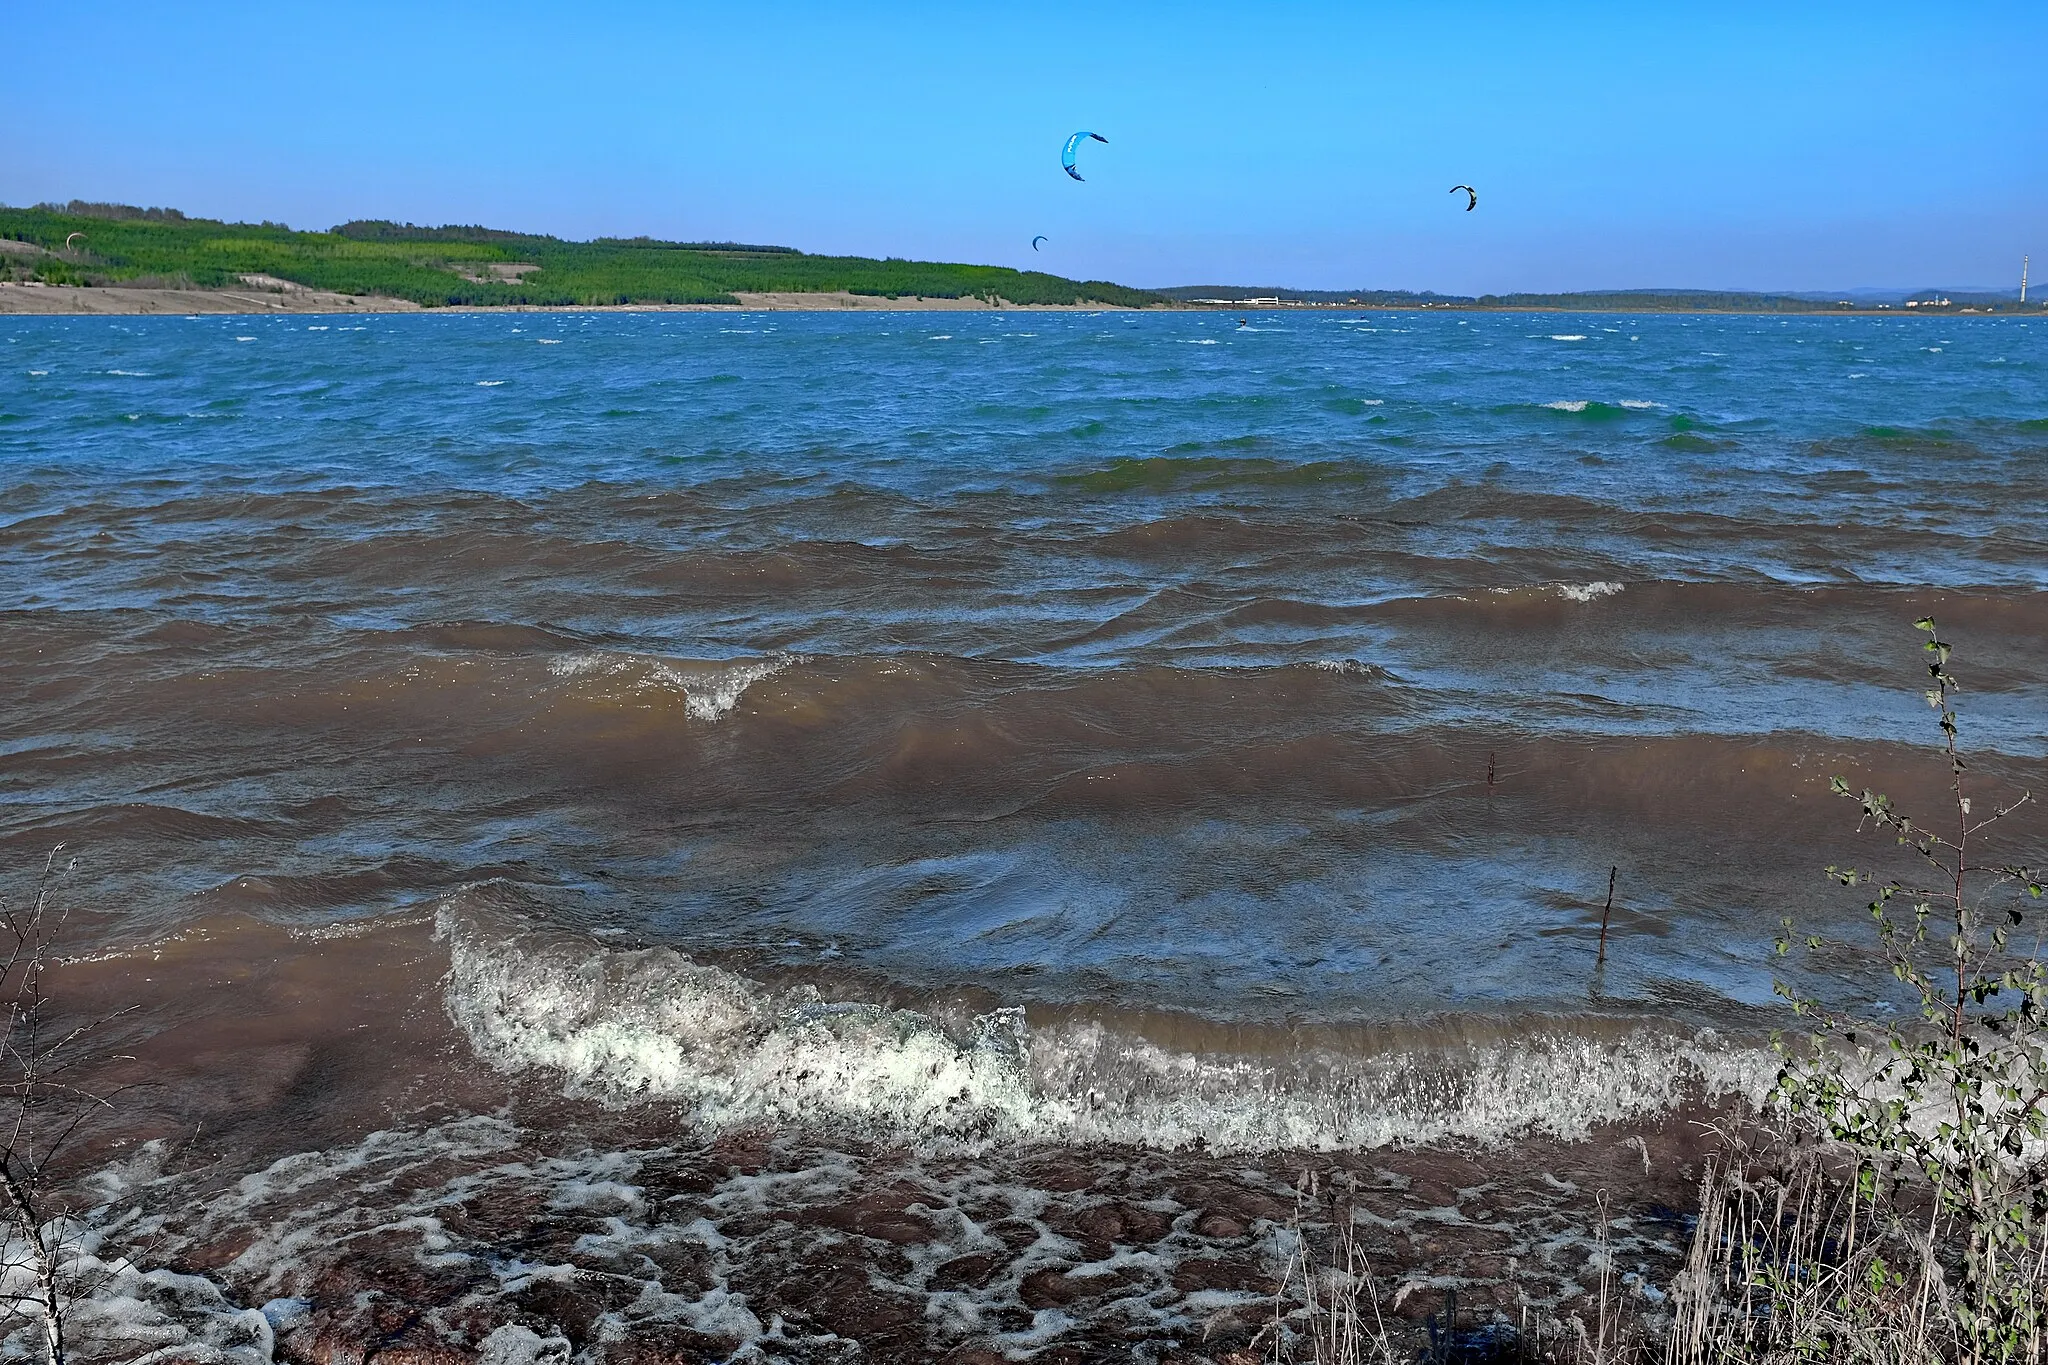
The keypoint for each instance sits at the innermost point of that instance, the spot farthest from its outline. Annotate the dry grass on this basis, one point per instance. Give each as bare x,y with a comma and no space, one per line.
1801,1257
1795,1260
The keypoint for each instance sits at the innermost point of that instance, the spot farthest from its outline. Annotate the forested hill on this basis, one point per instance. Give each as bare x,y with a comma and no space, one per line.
120,244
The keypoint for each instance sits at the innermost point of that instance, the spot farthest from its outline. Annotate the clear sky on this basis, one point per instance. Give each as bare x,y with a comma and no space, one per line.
1784,145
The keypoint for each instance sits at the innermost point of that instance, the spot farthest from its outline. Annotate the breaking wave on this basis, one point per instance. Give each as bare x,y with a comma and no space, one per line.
709,691
651,1024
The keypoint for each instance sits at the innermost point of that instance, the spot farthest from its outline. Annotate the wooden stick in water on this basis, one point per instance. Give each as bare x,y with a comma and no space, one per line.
1612,873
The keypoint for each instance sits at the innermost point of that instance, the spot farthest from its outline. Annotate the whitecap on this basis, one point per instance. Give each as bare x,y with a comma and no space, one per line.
1573,336
708,691
708,699
1568,405
1586,592
489,383
549,341
131,374
1639,403
245,338
38,372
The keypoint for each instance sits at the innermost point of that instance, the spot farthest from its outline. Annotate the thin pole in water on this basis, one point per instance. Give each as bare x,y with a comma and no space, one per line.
1612,873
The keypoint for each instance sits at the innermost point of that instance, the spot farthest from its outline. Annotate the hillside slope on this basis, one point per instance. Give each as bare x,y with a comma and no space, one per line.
476,266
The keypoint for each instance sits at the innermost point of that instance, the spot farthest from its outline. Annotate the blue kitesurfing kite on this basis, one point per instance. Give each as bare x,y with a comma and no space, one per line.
1073,145
1036,240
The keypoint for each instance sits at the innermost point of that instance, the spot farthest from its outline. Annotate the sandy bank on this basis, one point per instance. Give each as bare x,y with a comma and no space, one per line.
73,299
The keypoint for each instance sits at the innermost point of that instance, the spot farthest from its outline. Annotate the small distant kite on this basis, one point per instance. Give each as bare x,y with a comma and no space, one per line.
1473,202
1036,240
67,240
1074,145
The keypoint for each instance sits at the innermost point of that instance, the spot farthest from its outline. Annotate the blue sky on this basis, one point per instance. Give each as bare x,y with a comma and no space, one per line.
1786,145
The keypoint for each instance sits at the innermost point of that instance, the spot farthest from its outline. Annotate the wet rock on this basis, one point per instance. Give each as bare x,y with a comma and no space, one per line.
1052,1289
1203,1272
965,1272
1013,1233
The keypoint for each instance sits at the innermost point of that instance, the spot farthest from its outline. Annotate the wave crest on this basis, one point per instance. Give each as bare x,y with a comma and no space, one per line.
652,1024
708,691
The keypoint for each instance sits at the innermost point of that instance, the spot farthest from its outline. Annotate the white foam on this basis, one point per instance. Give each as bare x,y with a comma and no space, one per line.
727,1051
1568,405
1639,403
1573,336
651,1022
1586,592
489,383
159,1315
708,691
1348,666
710,700
512,1344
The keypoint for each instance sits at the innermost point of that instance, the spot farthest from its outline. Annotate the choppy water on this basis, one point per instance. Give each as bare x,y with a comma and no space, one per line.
1142,672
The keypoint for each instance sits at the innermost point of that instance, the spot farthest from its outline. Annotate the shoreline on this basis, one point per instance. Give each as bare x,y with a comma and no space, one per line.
66,300
317,1129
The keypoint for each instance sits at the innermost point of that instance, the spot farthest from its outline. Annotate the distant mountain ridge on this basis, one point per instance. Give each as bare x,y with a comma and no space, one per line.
1616,300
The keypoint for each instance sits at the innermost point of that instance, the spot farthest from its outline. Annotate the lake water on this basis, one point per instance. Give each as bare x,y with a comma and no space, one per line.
1034,725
